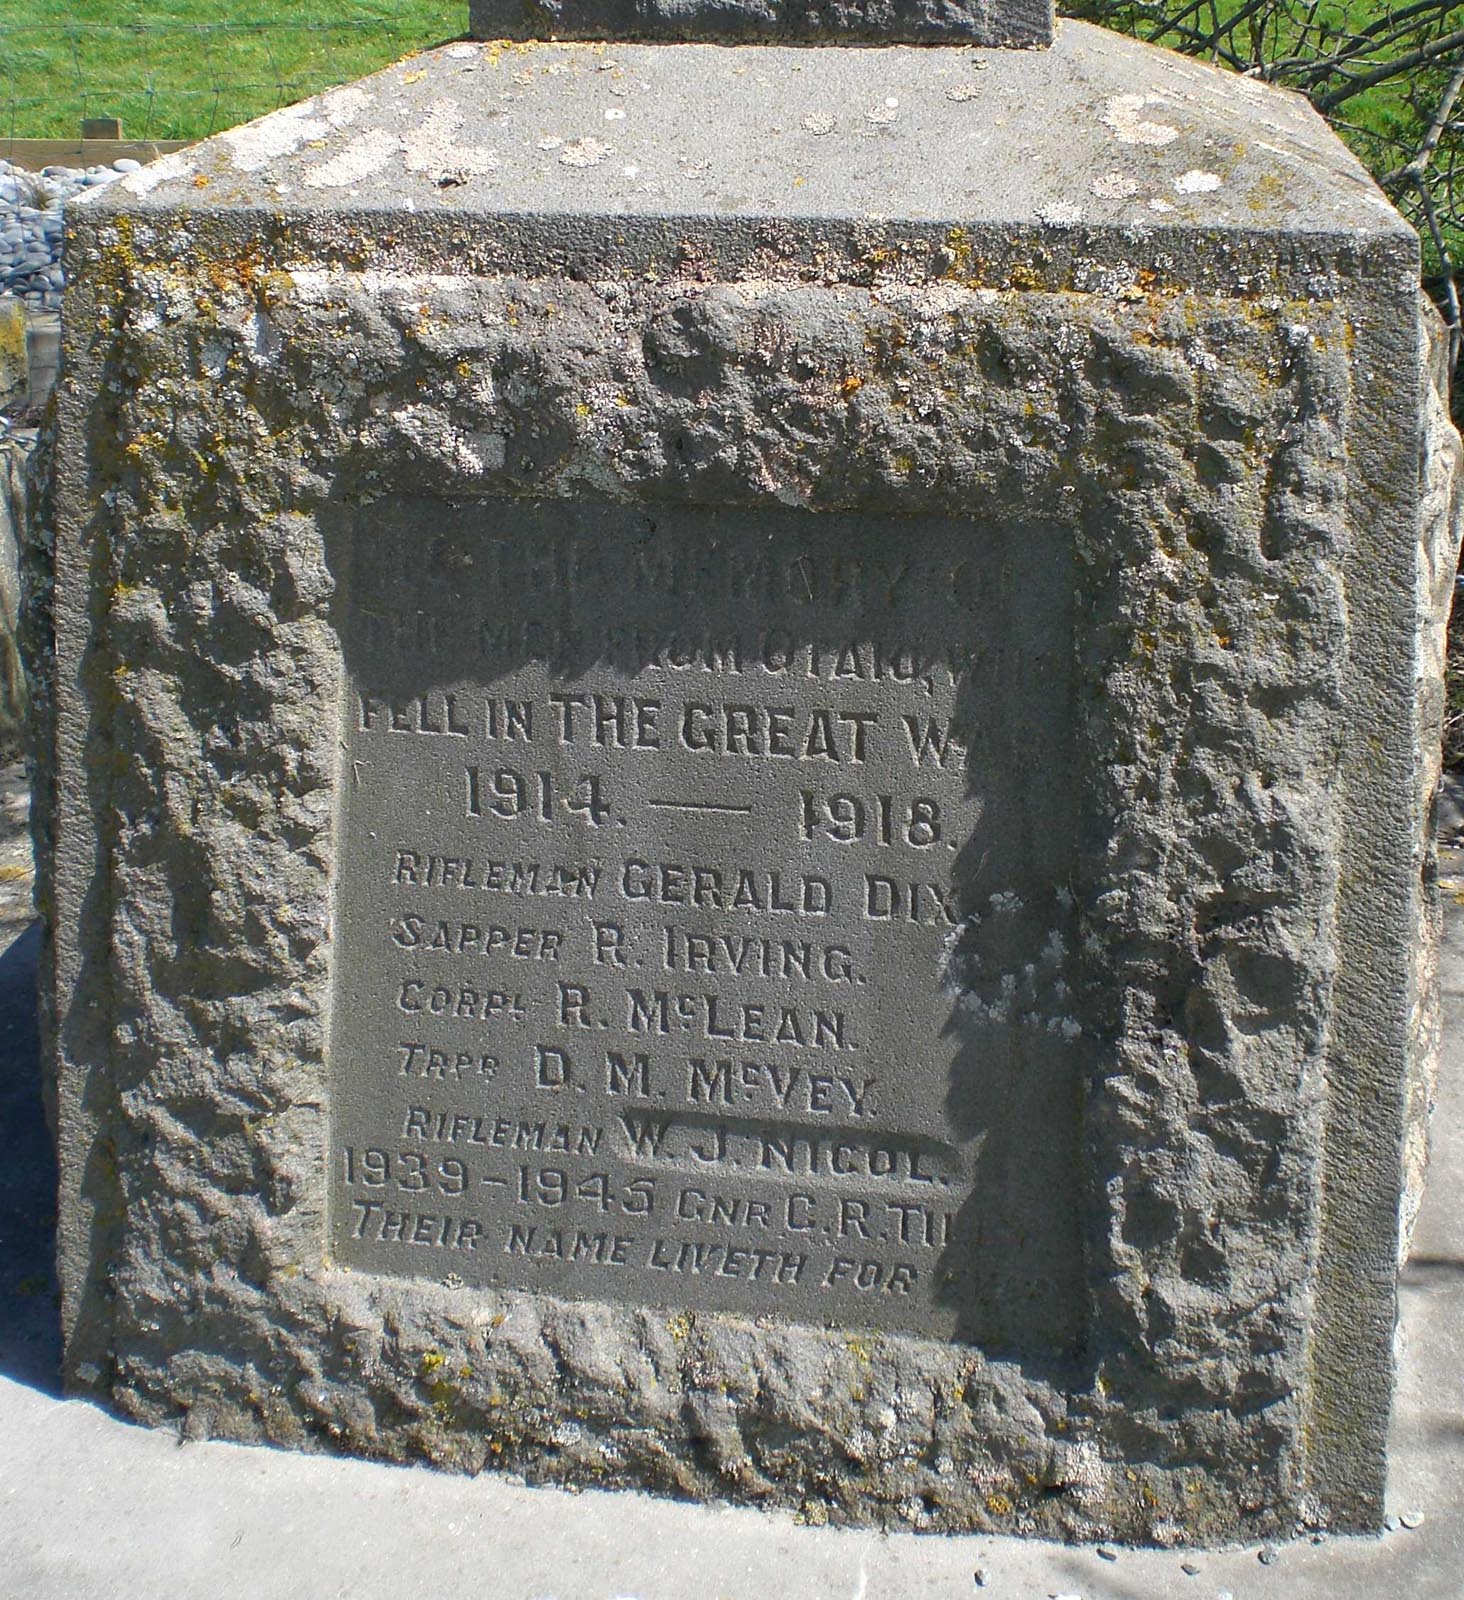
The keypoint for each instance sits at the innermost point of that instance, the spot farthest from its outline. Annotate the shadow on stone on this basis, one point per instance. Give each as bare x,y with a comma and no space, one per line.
30,1340
1430,1269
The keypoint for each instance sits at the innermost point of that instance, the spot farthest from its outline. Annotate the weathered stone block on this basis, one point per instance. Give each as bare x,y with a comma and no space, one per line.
15,452
740,744
1024,23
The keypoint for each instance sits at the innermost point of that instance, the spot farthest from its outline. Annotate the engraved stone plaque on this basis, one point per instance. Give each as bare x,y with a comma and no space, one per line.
666,834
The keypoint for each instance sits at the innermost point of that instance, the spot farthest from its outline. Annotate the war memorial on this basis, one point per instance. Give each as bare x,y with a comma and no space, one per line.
739,708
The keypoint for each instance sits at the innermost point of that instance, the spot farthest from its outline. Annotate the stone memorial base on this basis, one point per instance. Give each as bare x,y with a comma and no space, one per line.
737,804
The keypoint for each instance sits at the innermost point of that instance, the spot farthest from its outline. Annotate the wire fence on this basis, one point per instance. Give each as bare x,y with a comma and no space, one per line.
165,79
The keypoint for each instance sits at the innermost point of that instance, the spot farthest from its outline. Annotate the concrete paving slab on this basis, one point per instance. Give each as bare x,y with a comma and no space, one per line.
90,1506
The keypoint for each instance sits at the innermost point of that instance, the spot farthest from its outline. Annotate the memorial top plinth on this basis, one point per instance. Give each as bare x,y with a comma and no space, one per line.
1019,23
1007,168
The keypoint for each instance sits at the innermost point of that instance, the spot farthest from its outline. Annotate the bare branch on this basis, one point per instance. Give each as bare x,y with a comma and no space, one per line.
1391,69
1414,170
1451,286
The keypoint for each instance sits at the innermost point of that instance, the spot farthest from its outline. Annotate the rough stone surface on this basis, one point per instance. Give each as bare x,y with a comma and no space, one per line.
1441,477
1179,322
974,22
15,453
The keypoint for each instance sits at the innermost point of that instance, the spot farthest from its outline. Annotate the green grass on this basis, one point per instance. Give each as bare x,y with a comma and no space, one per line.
189,68
186,69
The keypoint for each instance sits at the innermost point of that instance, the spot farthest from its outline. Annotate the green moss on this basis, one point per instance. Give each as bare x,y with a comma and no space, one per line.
12,341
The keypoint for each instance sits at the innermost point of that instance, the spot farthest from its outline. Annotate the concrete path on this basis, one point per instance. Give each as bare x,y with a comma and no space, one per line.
92,1507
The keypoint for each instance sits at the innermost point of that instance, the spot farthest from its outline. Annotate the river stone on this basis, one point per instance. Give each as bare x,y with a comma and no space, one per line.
541,533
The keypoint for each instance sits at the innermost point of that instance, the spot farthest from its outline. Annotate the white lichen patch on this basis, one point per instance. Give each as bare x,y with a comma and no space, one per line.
1196,181
318,287
1295,157
982,970
265,342
366,154
214,355
258,145
163,297
146,179
432,146
1115,186
435,437
1124,115
340,107
1060,214
819,123
488,450
584,153
963,91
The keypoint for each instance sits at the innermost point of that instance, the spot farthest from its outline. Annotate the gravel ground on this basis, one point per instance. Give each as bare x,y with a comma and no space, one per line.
31,225
17,876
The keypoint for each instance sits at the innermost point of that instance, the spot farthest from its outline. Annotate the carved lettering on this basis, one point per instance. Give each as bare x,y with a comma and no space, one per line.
663,830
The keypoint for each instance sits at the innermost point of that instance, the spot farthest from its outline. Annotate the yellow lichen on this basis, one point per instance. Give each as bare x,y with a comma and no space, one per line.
12,336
